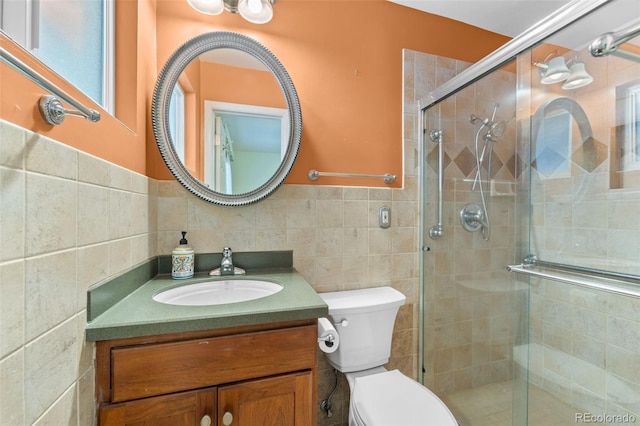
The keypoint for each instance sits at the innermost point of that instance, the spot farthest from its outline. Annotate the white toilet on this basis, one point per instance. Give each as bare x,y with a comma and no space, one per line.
364,321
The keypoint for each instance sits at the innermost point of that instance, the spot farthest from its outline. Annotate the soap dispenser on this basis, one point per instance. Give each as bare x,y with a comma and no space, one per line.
182,260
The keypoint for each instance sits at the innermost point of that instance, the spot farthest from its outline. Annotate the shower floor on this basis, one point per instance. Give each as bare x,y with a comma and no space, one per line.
491,405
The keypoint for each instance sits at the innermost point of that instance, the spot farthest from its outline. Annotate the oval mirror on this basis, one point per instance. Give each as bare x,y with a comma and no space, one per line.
226,118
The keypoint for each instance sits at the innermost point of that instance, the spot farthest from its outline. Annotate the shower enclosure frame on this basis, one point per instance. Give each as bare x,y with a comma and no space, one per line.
548,26
553,23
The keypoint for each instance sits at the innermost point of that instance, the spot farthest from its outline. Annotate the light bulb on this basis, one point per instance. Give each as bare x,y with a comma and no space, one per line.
256,11
208,7
556,71
254,6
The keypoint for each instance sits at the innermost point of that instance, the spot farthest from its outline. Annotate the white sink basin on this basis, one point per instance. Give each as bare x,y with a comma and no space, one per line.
217,292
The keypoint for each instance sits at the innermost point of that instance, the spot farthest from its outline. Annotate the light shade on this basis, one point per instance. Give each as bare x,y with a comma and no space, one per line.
579,77
556,71
208,7
256,11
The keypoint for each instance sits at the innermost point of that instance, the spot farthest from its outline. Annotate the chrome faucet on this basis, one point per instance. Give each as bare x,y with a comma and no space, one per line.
226,266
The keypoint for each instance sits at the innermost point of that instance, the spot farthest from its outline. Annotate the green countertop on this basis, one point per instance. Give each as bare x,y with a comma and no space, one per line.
138,314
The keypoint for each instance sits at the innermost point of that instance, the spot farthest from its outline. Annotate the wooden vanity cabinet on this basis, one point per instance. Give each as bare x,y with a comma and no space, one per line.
242,376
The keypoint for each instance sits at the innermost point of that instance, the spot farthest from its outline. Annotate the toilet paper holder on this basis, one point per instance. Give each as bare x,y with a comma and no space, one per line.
327,339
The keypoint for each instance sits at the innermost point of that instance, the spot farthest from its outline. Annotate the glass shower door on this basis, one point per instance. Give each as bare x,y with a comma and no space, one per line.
474,311
583,256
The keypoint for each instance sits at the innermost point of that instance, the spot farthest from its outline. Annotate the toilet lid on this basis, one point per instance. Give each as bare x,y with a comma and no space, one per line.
393,399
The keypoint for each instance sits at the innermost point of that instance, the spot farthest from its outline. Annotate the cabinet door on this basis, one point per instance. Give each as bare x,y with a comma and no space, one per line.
274,401
181,409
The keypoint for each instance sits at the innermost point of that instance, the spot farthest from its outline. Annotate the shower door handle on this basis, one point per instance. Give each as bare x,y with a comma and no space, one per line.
437,136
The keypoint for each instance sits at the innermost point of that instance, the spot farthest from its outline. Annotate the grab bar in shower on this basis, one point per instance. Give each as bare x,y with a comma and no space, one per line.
609,281
437,136
387,177
50,106
609,43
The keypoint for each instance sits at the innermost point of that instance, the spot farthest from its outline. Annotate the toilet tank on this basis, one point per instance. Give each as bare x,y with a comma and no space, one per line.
364,320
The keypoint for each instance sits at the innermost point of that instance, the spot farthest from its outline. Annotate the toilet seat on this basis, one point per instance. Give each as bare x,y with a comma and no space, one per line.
393,399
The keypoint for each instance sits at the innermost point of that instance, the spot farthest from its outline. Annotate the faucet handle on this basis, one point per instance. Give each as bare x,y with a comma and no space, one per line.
226,252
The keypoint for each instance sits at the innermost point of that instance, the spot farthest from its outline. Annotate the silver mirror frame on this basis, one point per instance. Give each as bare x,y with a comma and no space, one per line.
167,79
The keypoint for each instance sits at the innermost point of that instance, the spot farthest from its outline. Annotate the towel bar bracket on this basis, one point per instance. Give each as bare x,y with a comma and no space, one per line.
54,112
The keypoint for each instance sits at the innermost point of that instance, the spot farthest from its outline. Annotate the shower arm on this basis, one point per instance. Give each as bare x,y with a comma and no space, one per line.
436,136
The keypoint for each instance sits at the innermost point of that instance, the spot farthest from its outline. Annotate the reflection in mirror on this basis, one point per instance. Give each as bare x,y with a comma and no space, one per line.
556,145
243,145
227,118
553,144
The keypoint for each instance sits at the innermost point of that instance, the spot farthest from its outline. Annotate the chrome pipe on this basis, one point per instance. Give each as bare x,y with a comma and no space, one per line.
553,23
609,43
437,136
50,107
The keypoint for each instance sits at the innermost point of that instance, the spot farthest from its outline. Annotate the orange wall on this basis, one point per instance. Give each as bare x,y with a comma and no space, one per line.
344,57
345,60
225,83
121,142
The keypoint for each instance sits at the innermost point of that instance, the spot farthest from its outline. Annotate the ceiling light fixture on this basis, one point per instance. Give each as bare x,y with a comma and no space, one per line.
554,69
255,11
579,77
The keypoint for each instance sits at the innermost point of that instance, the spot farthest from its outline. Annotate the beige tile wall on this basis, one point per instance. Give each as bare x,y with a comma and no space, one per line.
67,220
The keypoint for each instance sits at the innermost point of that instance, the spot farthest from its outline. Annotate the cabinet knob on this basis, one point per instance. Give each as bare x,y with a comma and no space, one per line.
205,420
227,419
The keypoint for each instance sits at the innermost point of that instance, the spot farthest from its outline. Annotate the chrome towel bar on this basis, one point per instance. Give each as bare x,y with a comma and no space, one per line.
388,178
611,282
50,106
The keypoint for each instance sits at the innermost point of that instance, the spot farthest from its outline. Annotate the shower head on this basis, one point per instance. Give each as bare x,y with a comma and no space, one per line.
473,119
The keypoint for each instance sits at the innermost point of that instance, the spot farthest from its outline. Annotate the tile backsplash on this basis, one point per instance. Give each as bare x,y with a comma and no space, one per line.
336,241
67,221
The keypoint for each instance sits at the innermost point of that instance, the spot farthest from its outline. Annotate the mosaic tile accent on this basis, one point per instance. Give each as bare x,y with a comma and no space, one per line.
466,162
432,159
